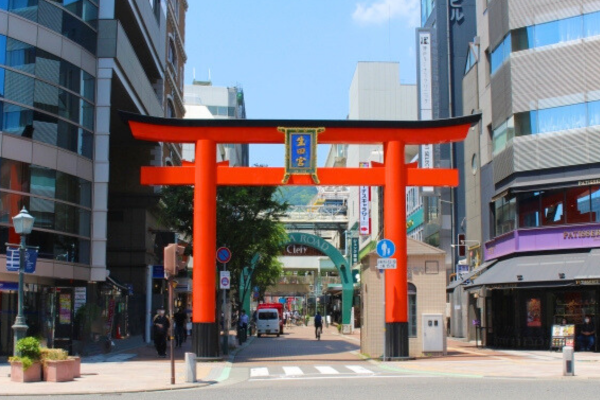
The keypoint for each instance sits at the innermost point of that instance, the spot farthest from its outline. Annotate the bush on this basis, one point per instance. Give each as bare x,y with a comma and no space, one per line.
54,354
29,350
29,347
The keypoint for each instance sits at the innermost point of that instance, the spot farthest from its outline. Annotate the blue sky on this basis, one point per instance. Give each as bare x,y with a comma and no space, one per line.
295,58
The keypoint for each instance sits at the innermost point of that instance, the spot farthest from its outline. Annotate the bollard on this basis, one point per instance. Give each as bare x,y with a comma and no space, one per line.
568,361
190,367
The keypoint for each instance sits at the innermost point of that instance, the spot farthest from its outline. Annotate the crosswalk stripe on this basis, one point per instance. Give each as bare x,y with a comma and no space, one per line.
292,371
326,370
259,372
358,369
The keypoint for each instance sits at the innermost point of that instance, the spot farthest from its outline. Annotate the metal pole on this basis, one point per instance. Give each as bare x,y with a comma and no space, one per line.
225,326
20,327
170,282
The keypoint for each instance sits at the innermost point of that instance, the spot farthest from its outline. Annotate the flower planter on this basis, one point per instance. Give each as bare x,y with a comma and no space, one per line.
58,370
32,374
76,366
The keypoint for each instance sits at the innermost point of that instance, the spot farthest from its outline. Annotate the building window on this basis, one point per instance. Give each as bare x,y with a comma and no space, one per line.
504,211
426,10
171,109
412,310
529,210
553,212
172,55
500,54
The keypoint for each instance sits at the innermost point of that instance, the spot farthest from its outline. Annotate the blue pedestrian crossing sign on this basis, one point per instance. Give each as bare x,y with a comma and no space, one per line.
385,248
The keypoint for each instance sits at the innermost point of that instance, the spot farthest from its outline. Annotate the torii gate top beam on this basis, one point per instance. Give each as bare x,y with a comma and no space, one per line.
259,131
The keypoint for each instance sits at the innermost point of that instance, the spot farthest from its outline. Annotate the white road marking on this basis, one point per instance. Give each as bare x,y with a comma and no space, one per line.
358,369
292,371
326,370
259,372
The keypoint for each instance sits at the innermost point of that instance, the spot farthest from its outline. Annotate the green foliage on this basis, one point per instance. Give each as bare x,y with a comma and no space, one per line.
26,361
295,195
247,223
53,355
29,347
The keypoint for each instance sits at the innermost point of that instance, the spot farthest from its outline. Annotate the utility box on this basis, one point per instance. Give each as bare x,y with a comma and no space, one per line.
433,333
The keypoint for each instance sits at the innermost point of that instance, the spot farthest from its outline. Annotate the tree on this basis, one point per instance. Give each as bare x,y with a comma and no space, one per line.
247,223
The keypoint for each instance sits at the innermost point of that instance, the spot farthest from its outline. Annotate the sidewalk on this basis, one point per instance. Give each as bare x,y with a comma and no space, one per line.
130,370
139,370
464,359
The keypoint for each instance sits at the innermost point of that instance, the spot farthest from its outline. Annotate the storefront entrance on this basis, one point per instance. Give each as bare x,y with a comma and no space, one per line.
523,318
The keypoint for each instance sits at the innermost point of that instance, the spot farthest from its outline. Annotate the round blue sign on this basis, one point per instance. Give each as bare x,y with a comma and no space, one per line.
223,255
386,248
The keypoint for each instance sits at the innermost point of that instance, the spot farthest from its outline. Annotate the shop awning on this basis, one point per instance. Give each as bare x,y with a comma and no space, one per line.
547,270
465,278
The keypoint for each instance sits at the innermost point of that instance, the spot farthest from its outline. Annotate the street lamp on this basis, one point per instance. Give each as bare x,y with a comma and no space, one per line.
23,224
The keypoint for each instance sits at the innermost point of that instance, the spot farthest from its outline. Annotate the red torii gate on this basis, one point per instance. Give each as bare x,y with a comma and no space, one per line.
206,174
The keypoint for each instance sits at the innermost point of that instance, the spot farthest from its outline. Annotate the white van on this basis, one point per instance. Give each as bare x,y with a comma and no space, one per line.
267,321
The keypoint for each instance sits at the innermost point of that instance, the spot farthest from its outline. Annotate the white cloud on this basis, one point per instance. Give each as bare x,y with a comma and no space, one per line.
382,10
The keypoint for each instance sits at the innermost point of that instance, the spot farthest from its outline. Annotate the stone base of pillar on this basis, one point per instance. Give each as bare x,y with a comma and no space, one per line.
396,341
347,329
205,340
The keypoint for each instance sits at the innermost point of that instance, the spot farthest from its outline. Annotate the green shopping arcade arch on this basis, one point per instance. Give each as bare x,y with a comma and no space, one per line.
341,264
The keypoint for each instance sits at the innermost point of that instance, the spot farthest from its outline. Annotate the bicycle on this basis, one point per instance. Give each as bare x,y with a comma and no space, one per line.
318,331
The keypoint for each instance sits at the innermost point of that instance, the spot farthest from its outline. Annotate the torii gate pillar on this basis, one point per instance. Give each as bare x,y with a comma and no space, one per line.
396,285
205,237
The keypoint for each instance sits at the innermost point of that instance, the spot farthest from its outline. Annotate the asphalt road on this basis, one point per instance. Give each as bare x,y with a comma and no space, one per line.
380,388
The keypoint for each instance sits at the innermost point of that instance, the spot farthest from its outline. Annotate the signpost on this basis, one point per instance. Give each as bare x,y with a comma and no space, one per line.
386,263
224,256
13,258
354,252
225,281
386,248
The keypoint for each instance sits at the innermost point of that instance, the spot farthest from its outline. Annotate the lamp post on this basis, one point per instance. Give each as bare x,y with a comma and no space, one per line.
23,224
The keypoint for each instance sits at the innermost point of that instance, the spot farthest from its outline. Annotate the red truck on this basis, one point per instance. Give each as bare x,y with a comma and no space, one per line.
278,307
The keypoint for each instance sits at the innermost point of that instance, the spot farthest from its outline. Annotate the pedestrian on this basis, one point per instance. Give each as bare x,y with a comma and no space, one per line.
586,335
161,329
180,318
242,327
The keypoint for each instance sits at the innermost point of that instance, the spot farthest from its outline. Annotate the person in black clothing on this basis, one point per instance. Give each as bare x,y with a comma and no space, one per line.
318,324
180,318
587,334
161,329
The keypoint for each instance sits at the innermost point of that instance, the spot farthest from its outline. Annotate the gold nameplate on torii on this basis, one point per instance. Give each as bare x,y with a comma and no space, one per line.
301,152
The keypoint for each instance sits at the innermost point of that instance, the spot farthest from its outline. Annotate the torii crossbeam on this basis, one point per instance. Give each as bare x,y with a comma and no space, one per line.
206,174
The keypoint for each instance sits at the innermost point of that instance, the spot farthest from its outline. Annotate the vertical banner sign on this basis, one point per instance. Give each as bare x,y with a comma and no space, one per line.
301,152
354,251
364,205
13,259
425,98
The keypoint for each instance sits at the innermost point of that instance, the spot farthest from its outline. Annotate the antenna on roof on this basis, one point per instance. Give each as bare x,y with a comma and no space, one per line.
194,73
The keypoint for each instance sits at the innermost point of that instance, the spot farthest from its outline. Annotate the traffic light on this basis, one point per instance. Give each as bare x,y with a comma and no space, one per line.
462,249
173,259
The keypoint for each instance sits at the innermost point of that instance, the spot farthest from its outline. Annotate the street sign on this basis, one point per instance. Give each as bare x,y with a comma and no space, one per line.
386,263
225,281
386,248
282,300
13,259
354,248
223,255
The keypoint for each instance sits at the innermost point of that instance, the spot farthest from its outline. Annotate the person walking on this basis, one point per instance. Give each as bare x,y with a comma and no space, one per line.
243,327
161,329
180,318
318,325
